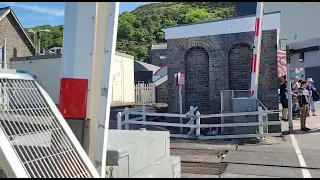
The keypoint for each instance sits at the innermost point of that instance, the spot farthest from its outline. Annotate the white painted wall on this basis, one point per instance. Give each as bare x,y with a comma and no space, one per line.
128,77
48,72
299,20
311,59
228,26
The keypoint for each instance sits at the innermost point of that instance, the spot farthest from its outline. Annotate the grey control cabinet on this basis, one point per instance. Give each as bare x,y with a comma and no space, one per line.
131,152
245,105
167,167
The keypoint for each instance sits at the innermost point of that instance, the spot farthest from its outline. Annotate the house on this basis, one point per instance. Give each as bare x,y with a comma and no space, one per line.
143,72
123,77
18,43
290,31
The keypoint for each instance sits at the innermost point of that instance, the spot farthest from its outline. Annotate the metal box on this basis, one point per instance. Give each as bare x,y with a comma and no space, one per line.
73,98
245,105
167,167
129,152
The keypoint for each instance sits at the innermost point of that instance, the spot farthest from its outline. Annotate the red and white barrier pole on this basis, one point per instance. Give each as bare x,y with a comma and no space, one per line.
256,51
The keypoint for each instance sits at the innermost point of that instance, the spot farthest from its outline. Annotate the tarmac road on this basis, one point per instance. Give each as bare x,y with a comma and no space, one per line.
294,156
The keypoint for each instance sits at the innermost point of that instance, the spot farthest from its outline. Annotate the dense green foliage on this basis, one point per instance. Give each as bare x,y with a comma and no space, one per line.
139,29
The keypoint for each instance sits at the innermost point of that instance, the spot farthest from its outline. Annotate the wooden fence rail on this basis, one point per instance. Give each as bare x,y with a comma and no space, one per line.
145,93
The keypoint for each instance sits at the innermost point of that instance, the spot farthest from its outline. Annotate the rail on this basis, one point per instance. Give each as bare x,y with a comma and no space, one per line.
194,122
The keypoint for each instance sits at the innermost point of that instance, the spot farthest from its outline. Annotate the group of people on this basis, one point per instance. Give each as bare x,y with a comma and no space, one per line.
305,93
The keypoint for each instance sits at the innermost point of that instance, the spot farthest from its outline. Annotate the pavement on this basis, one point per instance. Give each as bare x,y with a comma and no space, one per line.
294,155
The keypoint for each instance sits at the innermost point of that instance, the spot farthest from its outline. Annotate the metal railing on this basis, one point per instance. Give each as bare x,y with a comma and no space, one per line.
226,104
198,125
36,141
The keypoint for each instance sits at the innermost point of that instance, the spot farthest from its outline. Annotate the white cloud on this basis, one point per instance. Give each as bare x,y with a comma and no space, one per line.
36,8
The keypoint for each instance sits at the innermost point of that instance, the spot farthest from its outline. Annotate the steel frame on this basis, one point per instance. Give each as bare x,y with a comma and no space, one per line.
10,159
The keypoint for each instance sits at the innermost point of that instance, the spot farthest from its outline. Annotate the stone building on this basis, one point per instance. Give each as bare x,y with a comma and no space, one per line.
17,41
217,55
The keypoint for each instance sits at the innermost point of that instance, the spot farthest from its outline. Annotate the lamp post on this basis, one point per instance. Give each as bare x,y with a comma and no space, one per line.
36,38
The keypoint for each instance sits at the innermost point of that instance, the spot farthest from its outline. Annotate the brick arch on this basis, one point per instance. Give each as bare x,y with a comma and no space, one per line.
198,43
240,65
197,79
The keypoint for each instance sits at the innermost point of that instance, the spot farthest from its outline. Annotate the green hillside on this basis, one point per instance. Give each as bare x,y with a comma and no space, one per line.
139,29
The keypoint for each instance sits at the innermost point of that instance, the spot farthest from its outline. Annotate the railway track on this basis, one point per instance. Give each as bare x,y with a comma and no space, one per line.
201,159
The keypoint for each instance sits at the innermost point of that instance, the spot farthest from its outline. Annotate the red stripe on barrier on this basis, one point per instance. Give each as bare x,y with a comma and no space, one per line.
254,63
257,27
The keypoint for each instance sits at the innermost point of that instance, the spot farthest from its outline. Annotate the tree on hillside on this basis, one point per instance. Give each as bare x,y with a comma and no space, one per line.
139,29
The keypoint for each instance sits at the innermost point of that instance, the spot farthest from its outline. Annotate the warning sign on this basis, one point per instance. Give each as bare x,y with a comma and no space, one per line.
181,79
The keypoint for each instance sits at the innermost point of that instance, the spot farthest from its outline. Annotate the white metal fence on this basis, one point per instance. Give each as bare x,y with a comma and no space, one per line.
36,141
145,93
194,123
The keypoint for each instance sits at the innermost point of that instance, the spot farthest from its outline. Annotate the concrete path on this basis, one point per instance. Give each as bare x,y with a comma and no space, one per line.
294,156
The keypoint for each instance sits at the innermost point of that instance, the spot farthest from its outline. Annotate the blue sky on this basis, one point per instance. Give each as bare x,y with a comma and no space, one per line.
33,14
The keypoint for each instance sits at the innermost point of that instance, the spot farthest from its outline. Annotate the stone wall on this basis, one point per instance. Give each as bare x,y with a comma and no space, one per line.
221,62
17,43
155,59
162,93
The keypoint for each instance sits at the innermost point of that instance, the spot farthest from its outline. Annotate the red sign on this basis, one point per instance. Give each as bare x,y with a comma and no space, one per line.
181,79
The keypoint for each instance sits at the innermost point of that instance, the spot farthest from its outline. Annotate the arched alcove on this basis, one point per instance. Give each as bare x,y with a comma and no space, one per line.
197,79
240,66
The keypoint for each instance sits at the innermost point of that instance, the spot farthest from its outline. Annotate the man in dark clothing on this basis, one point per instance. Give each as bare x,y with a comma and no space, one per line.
303,97
284,98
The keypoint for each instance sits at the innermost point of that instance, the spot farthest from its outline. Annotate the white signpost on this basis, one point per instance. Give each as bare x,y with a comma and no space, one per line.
181,82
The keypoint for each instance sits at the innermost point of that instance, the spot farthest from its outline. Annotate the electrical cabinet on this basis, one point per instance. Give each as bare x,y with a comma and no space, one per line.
245,105
129,151
167,167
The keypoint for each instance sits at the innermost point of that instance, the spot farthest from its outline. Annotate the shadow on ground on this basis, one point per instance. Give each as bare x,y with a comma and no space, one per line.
298,131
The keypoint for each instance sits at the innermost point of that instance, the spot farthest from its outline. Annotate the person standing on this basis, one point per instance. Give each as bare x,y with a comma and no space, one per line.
284,98
303,97
313,92
295,85
295,88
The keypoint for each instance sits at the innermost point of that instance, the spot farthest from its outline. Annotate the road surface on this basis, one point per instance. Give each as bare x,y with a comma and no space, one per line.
294,156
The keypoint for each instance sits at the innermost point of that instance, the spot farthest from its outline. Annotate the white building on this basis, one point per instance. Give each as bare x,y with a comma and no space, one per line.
299,20
47,70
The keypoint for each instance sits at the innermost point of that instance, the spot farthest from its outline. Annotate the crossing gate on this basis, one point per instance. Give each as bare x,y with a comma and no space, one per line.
36,141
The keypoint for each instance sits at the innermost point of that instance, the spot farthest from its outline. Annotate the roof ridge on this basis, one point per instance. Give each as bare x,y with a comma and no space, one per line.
8,7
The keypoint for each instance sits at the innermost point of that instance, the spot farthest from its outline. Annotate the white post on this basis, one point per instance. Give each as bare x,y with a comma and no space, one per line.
221,110
153,93
4,61
191,113
289,90
260,119
88,55
256,51
126,118
119,122
198,124
180,106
